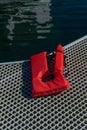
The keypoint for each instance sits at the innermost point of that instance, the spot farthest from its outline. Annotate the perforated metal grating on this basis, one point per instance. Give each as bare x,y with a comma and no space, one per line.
64,111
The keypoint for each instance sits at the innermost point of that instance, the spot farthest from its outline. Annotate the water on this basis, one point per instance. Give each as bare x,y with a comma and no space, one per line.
31,26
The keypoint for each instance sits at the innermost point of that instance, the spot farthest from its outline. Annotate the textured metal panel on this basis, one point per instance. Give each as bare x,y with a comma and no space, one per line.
64,111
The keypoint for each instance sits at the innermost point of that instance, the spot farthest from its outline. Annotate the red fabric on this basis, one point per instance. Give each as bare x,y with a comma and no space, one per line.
39,69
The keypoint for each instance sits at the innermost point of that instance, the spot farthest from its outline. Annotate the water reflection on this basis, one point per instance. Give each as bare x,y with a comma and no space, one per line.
22,25
28,21
10,26
30,26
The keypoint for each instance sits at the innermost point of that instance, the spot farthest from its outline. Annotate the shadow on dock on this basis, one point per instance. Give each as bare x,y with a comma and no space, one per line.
27,82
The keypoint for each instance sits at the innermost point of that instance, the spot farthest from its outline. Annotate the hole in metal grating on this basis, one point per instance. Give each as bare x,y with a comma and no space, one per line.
23,124
53,124
45,119
60,124
39,125
8,124
49,127
64,128
56,127
82,124
79,127
1,124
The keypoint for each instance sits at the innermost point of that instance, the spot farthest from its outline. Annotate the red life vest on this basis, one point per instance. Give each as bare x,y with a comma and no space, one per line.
39,68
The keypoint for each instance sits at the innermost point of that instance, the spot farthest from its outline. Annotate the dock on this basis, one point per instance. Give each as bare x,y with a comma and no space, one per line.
64,111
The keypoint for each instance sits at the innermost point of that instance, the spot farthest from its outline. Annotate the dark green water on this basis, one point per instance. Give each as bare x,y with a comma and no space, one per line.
31,26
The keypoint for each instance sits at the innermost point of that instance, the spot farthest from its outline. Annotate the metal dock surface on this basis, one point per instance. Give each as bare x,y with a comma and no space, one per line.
64,111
